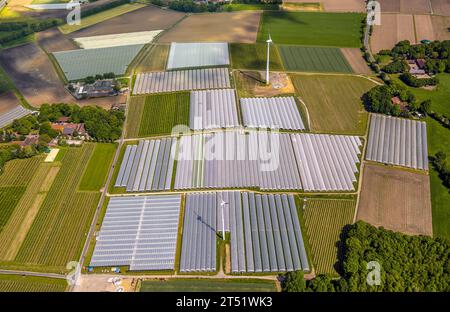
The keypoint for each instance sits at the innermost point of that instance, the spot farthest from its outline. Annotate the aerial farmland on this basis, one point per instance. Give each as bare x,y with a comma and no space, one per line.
186,146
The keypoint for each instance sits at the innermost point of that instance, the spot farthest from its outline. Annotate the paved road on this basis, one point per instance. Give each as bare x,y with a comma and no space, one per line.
28,273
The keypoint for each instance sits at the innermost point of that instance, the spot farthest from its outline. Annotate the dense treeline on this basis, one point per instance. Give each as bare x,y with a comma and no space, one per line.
436,54
10,31
101,124
412,81
379,99
189,6
439,162
407,263
399,66
103,7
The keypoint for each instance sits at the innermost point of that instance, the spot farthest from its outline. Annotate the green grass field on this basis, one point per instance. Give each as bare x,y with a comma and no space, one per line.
208,285
254,56
97,169
157,114
334,102
9,197
314,59
154,59
100,17
312,28
324,221
17,283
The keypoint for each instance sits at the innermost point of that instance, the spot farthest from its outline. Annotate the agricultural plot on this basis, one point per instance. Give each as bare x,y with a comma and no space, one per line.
208,285
146,18
235,161
147,166
441,7
314,59
393,28
254,56
79,64
327,162
17,283
117,40
157,114
335,6
312,28
154,58
355,58
140,232
277,112
266,234
52,40
217,27
6,118
97,169
406,6
325,220
211,109
198,251
197,79
8,100
398,141
396,199
334,103
190,55
57,234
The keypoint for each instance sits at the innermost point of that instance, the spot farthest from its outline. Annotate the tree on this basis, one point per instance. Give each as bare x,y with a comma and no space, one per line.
294,282
425,106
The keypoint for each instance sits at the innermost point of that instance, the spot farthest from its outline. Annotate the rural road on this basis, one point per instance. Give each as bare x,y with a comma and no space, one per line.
28,273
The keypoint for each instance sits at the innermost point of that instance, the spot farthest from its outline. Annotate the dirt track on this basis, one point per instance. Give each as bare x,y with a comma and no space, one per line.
396,199
144,19
355,59
393,28
224,27
8,101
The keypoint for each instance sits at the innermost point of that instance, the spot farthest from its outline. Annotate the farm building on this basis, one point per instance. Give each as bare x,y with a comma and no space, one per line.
213,109
191,55
398,141
197,79
79,64
277,112
140,232
147,166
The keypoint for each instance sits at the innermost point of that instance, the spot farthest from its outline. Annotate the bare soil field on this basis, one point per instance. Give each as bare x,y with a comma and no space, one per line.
405,6
338,5
8,101
393,28
33,74
396,199
52,40
144,19
239,27
441,7
355,59
440,27
424,27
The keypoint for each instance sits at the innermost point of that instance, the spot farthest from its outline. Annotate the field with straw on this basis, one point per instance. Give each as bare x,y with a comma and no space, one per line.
324,220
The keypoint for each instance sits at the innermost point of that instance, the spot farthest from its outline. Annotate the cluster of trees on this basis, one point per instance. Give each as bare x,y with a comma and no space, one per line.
439,162
379,99
101,124
412,81
10,31
92,79
190,6
398,66
407,263
442,119
103,7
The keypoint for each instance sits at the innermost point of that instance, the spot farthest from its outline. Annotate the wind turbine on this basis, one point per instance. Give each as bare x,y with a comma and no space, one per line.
222,204
269,41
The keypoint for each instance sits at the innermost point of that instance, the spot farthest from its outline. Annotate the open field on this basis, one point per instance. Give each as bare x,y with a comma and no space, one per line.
254,56
393,28
250,7
440,27
334,102
396,199
302,6
441,7
325,220
314,59
33,74
52,40
355,59
252,84
216,27
405,6
154,58
101,17
8,101
17,283
208,285
49,224
336,6
97,169
312,28
157,114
